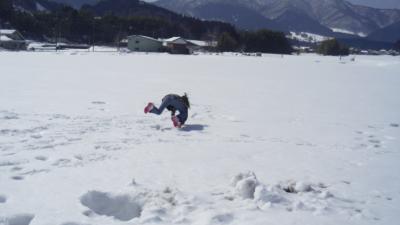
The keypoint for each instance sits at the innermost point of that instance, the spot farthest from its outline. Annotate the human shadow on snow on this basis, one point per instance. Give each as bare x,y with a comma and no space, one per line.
193,127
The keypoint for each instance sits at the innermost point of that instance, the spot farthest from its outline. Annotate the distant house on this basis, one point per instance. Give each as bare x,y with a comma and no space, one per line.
173,45
177,45
197,45
140,43
123,43
12,40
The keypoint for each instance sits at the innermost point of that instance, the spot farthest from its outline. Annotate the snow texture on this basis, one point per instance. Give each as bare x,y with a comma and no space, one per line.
269,140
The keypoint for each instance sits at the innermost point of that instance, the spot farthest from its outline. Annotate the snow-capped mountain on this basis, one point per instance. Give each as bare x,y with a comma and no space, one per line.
77,3
236,14
338,15
35,5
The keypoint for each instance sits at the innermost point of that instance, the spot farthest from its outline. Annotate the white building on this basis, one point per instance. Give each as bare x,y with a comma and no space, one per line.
12,40
175,41
174,45
140,43
197,45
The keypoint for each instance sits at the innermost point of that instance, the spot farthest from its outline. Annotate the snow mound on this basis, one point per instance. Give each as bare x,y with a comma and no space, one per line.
289,196
245,184
121,207
268,195
296,187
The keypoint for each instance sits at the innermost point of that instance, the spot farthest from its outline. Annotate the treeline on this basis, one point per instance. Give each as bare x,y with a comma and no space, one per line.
111,20
397,45
84,25
332,47
257,41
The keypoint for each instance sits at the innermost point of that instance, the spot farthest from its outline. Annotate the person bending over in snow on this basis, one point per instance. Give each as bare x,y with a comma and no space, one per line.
173,103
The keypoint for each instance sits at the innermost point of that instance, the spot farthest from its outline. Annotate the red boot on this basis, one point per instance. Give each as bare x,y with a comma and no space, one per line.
176,122
149,107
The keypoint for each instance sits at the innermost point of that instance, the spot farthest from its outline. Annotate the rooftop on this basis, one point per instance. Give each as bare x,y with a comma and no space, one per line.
150,38
5,38
172,39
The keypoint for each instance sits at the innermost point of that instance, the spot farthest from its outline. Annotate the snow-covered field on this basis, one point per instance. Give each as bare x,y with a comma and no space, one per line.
270,140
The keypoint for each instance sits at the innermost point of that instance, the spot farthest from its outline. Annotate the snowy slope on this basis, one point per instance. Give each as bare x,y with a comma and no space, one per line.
307,37
338,30
270,140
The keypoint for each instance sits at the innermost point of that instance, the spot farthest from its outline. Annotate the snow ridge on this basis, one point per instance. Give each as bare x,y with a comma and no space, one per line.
143,205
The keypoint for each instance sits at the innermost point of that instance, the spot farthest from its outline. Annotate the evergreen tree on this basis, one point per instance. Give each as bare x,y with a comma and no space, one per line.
397,45
6,10
332,47
226,43
266,41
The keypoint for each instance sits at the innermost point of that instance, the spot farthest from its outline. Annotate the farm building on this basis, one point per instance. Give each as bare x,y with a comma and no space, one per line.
140,43
12,40
177,45
174,45
197,45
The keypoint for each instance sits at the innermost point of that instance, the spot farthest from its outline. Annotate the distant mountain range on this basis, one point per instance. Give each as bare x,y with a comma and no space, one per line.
35,5
390,33
77,3
129,8
326,17
335,18
37,19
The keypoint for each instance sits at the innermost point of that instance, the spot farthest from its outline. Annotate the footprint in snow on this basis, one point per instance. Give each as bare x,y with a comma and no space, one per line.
60,116
61,162
121,207
35,171
193,127
89,213
36,136
17,177
8,163
16,168
19,219
395,125
3,199
370,140
98,103
222,218
156,127
41,158
73,223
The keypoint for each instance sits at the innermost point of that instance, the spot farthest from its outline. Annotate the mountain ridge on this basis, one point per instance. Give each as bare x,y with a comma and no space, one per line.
331,14
389,34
